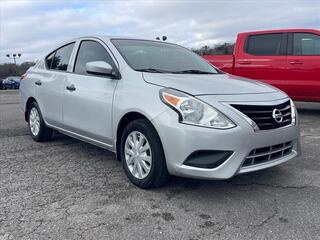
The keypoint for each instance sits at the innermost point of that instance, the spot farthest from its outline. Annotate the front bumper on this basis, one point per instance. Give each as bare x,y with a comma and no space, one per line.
180,141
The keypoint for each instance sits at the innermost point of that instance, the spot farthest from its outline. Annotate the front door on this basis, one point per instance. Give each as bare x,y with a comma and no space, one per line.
87,101
264,58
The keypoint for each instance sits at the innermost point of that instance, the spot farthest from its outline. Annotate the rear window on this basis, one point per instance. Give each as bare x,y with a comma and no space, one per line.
264,44
59,59
49,60
306,44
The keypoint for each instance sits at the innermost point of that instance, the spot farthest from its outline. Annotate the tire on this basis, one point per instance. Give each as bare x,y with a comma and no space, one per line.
158,174
42,133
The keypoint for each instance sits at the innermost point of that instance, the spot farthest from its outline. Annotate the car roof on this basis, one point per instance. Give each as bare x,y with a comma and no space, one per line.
104,38
109,37
282,30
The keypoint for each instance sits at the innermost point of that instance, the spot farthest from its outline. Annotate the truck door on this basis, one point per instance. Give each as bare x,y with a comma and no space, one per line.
304,66
263,57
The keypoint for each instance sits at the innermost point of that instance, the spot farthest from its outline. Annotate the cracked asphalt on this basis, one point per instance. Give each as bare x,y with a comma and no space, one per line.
68,189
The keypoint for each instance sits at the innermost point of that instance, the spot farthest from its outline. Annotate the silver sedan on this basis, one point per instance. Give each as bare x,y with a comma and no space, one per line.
160,107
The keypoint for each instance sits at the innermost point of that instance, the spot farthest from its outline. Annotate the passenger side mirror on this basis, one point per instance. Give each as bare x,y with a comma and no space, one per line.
100,68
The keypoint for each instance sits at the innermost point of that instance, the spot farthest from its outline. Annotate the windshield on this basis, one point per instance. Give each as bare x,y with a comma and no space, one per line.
152,56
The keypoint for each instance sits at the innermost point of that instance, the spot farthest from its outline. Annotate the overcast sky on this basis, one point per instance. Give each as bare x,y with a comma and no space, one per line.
34,27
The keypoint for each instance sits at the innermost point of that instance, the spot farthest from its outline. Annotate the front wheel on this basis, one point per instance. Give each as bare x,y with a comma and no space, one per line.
142,155
37,127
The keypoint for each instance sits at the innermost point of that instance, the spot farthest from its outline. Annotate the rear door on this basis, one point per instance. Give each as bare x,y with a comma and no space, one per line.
263,58
87,108
49,84
304,66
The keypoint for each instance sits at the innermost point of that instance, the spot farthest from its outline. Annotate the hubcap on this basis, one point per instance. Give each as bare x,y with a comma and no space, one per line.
138,156
34,121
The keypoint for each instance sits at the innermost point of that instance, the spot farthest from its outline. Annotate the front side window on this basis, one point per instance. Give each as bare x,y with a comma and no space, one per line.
306,44
264,44
90,51
153,56
61,58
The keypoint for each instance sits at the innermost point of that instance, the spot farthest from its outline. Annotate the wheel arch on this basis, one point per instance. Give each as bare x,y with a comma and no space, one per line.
28,103
125,119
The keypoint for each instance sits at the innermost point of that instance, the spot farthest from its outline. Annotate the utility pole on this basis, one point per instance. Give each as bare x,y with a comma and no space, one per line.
14,56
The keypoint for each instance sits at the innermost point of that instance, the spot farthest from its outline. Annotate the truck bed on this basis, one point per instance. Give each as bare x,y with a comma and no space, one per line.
223,62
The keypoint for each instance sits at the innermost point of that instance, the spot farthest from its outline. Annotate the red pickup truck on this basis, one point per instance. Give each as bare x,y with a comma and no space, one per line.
288,59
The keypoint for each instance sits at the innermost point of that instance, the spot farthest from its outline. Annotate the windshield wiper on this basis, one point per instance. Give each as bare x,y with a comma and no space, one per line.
193,71
151,70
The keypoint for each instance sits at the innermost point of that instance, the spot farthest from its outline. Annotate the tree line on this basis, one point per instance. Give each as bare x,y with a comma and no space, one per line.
11,69
217,49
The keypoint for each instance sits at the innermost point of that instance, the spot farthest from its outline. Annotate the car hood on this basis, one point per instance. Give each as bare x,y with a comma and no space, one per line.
211,84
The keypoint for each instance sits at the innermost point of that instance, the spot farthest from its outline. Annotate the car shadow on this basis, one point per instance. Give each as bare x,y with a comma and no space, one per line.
308,108
307,111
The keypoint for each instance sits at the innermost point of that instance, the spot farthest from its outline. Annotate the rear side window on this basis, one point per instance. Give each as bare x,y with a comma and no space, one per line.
90,51
49,60
306,44
264,44
59,59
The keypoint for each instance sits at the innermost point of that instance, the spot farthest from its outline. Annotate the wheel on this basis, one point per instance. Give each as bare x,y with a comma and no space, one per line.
142,155
37,127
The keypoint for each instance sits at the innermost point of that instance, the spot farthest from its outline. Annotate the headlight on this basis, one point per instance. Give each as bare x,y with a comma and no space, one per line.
293,113
193,111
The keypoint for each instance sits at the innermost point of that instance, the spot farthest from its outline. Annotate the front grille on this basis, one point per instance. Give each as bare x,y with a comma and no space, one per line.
262,114
265,154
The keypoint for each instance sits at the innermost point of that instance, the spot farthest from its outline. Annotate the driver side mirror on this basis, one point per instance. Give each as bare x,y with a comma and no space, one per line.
100,68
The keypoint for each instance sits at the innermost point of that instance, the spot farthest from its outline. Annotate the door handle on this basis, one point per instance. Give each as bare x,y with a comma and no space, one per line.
296,62
38,83
244,62
71,88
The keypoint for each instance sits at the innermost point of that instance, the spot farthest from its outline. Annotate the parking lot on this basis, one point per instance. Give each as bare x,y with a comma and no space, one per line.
68,189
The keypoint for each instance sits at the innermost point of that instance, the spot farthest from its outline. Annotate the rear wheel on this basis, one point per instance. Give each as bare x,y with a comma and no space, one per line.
142,155
37,127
